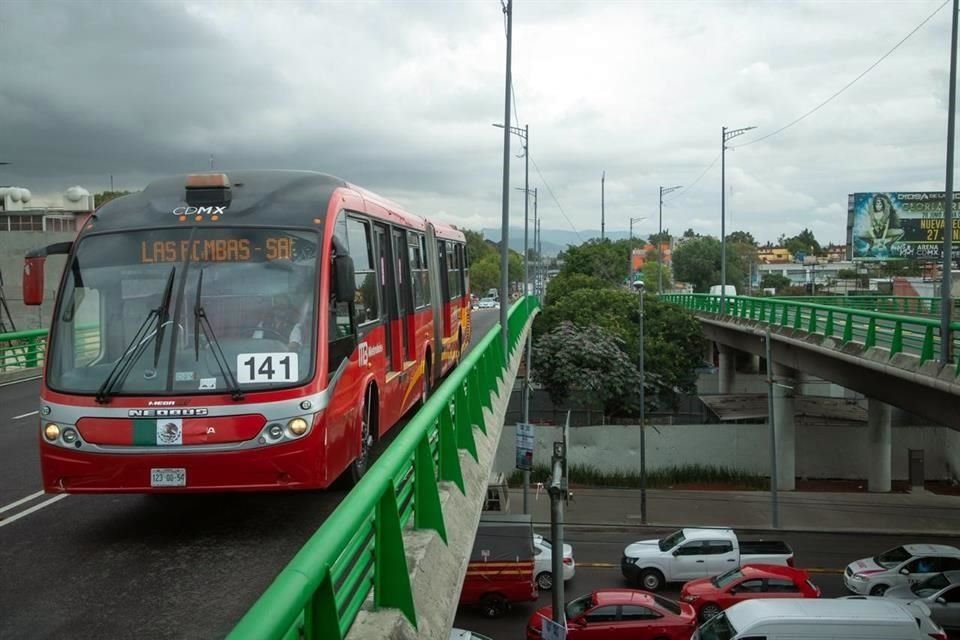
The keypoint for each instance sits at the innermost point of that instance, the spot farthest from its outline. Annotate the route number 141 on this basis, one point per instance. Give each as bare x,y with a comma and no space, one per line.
259,368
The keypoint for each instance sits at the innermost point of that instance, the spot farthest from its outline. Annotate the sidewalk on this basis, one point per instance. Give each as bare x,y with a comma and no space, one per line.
828,512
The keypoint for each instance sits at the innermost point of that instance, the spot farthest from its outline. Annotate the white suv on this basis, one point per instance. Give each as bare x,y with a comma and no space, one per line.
904,565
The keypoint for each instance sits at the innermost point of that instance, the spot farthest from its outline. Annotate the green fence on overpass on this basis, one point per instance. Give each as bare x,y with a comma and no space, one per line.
899,333
900,305
22,349
360,547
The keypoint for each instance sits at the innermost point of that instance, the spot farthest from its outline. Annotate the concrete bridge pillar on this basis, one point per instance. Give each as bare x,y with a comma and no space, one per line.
879,445
727,366
784,390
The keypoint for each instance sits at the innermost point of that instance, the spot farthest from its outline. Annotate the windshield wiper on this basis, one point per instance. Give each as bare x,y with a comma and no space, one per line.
202,323
135,349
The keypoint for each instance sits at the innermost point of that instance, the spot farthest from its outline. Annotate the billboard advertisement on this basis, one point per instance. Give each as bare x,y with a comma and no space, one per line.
899,225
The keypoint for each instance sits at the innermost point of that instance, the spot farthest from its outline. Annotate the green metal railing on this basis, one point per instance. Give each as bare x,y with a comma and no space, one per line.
912,334
22,349
901,305
28,349
360,547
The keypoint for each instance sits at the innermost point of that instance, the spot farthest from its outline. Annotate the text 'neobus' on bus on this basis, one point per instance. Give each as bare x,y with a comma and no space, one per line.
246,332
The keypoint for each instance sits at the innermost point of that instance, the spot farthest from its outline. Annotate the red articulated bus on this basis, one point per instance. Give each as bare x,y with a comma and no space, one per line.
254,331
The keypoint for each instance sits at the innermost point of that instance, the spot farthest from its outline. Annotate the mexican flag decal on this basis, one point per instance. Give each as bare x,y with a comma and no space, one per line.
162,432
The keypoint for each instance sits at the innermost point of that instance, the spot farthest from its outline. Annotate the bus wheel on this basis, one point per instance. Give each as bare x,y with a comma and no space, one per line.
493,605
367,435
427,387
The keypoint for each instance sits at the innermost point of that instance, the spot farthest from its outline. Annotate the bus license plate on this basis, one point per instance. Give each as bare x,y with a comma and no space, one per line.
168,477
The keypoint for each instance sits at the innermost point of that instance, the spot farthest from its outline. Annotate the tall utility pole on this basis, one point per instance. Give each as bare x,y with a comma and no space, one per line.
946,284
660,238
603,218
726,135
632,220
558,494
643,417
774,506
505,215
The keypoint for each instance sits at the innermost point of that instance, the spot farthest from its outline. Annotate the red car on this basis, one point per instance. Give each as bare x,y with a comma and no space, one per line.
621,614
710,596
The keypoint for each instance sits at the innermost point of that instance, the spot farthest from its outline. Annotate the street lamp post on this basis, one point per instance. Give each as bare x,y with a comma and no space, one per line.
663,191
505,214
946,303
524,135
643,450
727,135
603,219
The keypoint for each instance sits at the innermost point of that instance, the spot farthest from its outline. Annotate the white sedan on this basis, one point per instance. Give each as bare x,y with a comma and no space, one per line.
488,303
904,565
543,562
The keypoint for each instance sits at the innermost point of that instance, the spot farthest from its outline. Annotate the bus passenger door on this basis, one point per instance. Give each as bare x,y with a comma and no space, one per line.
386,266
405,292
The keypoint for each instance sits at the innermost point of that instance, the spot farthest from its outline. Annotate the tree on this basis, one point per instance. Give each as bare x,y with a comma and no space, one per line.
803,242
697,261
585,358
690,233
102,198
673,338
657,238
741,237
602,259
485,273
775,281
477,247
566,283
651,277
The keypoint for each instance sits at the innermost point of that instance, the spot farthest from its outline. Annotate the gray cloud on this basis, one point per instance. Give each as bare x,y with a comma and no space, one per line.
399,97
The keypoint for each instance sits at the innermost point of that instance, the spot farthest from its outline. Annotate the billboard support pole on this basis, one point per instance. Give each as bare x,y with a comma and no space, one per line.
946,304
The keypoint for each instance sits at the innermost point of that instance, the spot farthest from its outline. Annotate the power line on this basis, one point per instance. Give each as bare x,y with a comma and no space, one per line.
686,190
550,191
849,84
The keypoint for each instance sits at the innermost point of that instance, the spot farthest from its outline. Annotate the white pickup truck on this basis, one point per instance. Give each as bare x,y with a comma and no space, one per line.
688,554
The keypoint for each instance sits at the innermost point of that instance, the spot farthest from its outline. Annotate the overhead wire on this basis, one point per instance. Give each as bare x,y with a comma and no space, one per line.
846,86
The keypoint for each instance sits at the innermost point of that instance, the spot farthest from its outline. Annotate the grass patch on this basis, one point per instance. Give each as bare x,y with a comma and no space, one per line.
659,479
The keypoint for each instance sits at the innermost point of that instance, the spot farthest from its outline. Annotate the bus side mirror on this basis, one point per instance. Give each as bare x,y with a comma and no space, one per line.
33,280
343,278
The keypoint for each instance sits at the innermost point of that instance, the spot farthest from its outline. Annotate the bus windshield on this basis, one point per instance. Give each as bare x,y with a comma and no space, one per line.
130,311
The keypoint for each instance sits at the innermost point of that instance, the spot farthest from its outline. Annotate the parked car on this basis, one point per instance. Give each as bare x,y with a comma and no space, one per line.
621,613
729,290
543,562
815,619
488,303
940,593
710,596
500,571
904,565
462,634
689,554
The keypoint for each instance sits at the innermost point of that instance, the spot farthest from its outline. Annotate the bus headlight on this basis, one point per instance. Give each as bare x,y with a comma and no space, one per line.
69,436
298,426
275,431
51,432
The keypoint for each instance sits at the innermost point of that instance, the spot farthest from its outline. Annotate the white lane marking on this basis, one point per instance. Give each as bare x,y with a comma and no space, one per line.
7,384
19,502
36,507
26,415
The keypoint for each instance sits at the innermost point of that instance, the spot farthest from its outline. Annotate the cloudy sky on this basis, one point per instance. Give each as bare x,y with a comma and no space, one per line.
399,97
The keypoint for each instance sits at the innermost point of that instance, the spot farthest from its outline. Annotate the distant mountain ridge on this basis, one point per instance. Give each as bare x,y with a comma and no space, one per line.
554,240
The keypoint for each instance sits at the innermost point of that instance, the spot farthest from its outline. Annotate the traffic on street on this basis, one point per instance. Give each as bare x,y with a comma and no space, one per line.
820,562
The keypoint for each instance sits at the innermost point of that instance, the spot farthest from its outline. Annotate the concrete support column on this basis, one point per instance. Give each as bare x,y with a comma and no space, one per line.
879,445
753,363
727,367
783,414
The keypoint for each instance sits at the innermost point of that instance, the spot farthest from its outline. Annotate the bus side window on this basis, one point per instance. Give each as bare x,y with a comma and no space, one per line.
340,327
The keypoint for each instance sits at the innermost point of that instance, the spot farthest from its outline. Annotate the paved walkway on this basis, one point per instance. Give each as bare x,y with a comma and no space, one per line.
921,513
